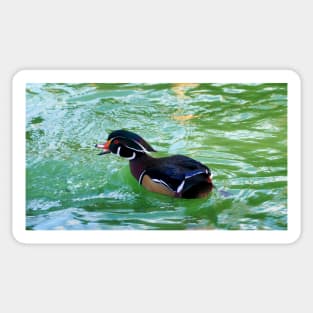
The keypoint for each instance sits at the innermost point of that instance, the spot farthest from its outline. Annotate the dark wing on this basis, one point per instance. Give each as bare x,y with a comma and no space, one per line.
184,162
173,171
167,175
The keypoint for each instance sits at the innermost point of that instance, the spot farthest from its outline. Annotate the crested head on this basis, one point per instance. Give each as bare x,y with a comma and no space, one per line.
132,140
126,144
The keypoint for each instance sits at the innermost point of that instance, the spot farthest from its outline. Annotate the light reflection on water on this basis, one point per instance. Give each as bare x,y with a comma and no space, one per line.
238,130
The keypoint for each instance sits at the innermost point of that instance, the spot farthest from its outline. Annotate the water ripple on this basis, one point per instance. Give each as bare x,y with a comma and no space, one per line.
238,130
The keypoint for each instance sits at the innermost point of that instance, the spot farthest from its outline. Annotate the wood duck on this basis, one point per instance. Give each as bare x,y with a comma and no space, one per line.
175,176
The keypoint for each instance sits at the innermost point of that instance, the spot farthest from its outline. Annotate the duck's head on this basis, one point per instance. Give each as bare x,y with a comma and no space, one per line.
125,144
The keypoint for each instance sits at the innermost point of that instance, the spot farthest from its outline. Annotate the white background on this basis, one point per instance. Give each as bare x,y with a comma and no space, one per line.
155,34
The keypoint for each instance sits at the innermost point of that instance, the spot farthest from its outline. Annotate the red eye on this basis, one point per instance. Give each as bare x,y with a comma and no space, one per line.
116,141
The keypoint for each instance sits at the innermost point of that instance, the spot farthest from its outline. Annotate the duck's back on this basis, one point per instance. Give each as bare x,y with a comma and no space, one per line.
186,177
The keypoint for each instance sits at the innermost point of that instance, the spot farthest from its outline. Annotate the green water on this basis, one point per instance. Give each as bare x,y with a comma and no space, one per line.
238,130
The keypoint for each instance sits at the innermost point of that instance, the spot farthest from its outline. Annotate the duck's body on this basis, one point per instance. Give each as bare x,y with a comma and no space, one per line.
176,176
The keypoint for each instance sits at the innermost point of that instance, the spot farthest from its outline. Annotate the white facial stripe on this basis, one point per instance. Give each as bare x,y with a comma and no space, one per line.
142,147
118,151
131,148
139,144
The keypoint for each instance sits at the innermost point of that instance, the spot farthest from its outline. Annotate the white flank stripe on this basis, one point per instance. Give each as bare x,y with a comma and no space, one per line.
194,174
180,187
160,181
141,176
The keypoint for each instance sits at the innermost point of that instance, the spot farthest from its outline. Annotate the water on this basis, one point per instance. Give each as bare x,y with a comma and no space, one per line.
238,130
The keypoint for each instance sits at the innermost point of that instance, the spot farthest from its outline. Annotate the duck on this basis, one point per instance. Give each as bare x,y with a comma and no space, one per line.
176,176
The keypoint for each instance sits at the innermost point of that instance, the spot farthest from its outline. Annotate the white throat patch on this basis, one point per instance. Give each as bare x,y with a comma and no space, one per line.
132,157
